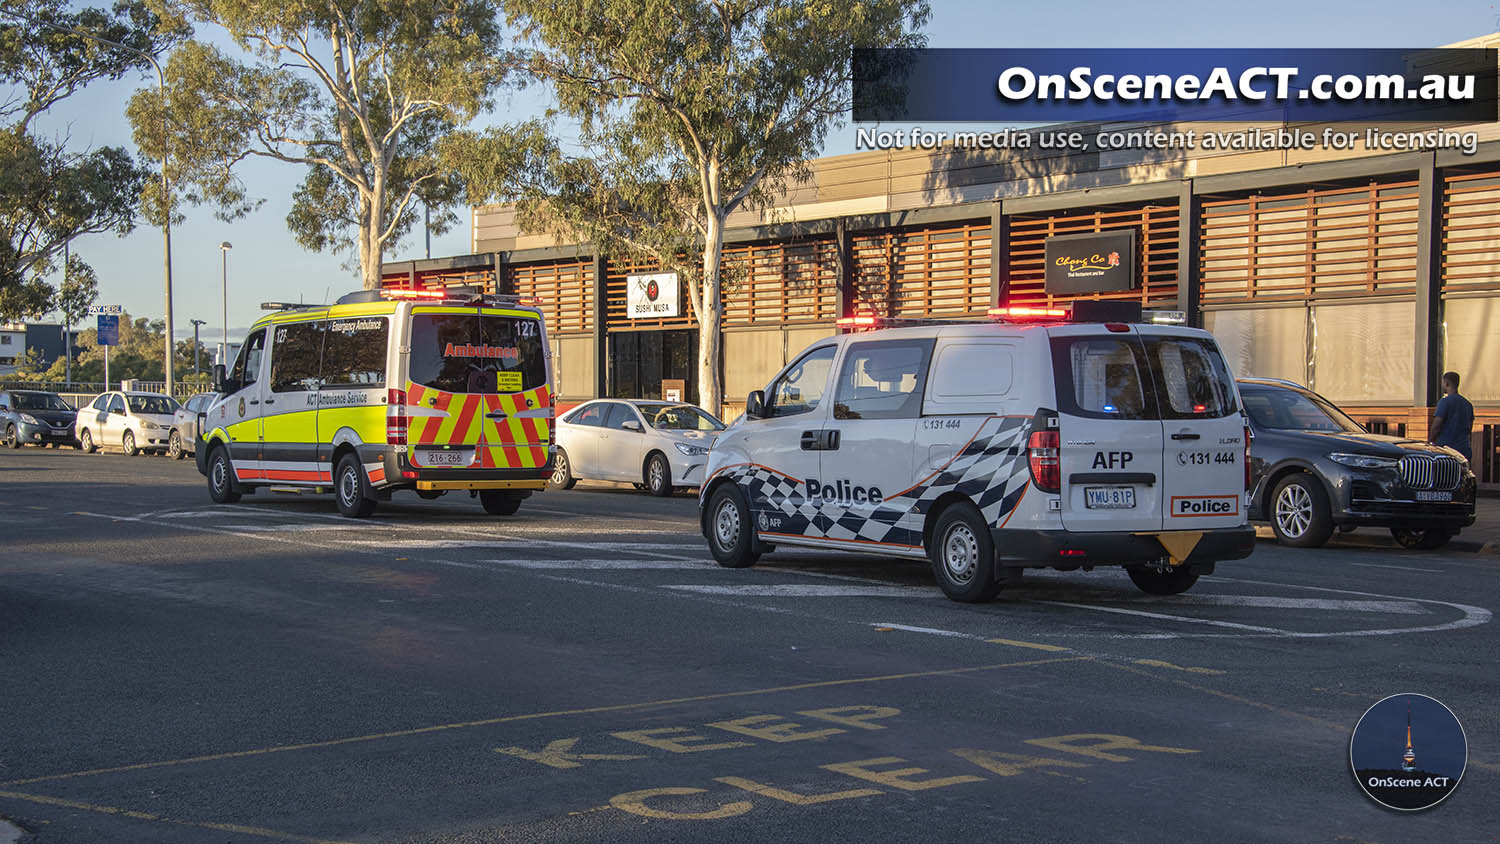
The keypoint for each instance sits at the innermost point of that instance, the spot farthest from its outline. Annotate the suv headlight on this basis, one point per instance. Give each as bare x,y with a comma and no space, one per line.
1365,461
29,419
691,450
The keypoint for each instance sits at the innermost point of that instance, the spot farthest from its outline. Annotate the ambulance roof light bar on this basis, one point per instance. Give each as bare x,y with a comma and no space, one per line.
286,306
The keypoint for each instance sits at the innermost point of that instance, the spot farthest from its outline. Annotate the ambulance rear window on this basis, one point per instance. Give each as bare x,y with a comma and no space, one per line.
477,353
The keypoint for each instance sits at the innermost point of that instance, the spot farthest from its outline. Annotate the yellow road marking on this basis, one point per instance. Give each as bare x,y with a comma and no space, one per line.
558,713
1191,669
1016,643
259,832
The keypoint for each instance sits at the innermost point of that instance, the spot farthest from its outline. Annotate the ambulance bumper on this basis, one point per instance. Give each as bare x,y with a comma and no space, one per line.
399,471
1104,548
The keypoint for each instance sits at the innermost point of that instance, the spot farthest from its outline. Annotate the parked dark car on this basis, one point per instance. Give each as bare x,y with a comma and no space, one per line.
1314,469
37,418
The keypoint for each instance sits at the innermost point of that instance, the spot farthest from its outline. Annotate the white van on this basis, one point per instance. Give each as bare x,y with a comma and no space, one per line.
1027,442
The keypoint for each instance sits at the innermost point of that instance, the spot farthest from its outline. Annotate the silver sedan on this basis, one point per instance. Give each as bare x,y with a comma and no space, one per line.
658,445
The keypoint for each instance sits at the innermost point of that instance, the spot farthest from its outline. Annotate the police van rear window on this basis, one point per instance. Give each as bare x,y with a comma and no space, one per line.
474,353
1129,377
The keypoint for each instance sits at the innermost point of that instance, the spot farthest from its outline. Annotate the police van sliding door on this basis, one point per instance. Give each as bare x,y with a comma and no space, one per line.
1204,431
867,453
1110,435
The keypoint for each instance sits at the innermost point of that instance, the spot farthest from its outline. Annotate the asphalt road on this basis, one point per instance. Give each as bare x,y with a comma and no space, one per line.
174,670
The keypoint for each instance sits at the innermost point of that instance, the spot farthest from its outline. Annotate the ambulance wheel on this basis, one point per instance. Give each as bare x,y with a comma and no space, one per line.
351,490
562,471
1173,581
174,446
963,555
220,475
659,476
86,442
729,530
1299,512
498,502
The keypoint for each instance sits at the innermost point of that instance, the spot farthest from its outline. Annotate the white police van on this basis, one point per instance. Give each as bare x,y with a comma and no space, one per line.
1032,441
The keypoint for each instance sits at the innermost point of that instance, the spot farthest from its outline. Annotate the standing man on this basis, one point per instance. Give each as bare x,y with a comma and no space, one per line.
1453,420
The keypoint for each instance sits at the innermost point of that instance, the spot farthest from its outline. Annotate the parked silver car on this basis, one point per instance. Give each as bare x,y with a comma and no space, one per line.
185,425
130,421
657,445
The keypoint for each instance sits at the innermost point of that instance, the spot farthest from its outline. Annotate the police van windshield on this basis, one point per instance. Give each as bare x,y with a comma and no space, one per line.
474,353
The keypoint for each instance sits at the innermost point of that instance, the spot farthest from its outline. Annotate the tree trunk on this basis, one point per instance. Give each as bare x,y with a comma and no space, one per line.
369,246
710,376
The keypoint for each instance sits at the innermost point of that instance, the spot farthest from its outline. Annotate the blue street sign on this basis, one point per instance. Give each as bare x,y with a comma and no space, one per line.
109,330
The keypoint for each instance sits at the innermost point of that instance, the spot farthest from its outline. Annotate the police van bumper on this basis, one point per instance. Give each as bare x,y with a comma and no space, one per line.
1070,549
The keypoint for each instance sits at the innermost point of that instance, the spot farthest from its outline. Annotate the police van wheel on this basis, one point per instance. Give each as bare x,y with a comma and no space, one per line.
498,502
220,475
350,489
659,476
729,530
1173,581
1299,512
963,555
562,471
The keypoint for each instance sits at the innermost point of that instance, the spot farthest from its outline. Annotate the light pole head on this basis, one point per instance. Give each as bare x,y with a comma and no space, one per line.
226,246
200,322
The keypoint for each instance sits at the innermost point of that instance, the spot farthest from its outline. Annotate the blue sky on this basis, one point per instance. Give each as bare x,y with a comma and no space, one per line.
267,264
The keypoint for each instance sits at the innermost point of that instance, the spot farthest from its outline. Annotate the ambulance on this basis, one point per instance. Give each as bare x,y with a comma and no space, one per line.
1046,438
427,390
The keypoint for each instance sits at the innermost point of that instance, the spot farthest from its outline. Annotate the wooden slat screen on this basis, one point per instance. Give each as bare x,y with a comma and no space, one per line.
565,288
1350,241
776,283
614,295
1471,232
482,278
1157,227
939,271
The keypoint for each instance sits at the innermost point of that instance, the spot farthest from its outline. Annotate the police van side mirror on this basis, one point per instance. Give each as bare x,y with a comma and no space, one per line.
755,405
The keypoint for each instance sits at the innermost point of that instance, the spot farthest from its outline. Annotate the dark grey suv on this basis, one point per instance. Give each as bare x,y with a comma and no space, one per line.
1315,469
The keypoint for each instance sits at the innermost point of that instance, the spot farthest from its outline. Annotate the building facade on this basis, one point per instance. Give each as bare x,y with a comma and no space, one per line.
1360,272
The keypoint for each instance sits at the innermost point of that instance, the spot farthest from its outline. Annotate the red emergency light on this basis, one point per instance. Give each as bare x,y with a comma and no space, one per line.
414,294
862,320
1021,313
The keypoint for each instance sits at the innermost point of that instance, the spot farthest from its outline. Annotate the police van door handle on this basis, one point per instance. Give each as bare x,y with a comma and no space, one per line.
831,440
497,415
812,441
1185,435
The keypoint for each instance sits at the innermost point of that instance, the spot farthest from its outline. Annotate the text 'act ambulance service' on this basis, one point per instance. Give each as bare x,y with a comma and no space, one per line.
431,390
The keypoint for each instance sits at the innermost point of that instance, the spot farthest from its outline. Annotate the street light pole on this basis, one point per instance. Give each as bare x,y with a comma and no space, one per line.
196,347
224,285
166,187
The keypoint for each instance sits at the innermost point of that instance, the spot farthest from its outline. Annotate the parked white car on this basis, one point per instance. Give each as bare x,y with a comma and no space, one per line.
130,421
656,444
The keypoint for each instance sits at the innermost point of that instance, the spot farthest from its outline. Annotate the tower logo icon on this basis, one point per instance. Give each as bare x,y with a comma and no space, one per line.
1388,769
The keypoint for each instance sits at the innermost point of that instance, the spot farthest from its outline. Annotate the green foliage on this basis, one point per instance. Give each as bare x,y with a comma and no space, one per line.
360,93
50,194
689,110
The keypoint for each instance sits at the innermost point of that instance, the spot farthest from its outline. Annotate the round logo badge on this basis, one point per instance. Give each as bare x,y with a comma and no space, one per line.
1408,752
652,290
765,522
242,407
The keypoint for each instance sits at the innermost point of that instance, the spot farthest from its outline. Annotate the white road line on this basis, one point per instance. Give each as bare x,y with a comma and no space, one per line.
1473,616
522,545
1401,568
1163,616
1269,602
807,590
601,564
929,630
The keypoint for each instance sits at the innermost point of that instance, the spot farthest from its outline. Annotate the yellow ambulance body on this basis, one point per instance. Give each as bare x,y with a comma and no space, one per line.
428,390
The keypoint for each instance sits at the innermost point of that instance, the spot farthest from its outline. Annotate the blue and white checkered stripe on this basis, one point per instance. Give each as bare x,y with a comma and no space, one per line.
991,471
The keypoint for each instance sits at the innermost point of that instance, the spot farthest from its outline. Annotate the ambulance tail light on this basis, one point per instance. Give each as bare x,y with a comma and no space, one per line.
1043,453
395,417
